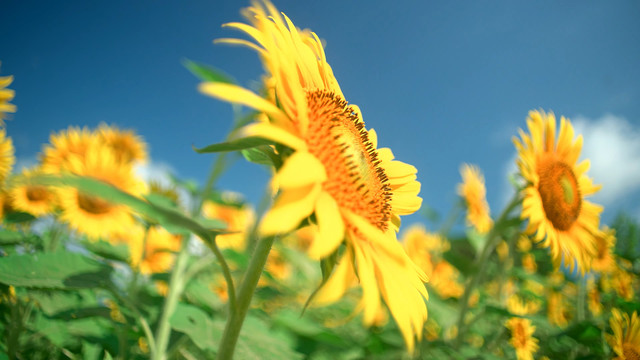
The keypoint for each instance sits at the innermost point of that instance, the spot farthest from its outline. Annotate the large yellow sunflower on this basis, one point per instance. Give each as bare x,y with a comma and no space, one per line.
6,95
625,340
474,192
73,141
334,170
522,338
127,146
34,199
7,157
91,215
554,198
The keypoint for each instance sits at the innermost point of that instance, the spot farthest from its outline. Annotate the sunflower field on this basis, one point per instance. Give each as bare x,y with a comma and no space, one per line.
97,263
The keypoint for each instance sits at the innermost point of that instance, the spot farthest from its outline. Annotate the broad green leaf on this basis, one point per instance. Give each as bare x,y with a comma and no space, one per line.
169,218
17,217
233,145
256,341
8,237
58,270
476,240
199,293
54,302
305,327
118,252
206,72
263,155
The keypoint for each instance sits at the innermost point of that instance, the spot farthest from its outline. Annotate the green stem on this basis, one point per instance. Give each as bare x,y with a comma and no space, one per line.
176,285
582,295
226,272
245,294
489,245
143,322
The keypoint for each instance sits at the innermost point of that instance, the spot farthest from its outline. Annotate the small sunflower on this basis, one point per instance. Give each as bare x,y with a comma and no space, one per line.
127,146
7,157
604,260
37,200
91,215
445,280
522,338
529,263
237,218
625,340
71,142
593,296
557,309
332,169
6,95
554,197
473,192
155,254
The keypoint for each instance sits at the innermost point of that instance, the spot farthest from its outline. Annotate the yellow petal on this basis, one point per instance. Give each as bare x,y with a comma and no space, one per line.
300,169
289,209
338,283
331,227
239,95
268,131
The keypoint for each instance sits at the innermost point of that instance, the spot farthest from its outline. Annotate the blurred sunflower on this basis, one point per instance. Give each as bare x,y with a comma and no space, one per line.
155,254
554,203
473,192
63,145
522,338
127,146
593,296
625,340
334,171
92,215
237,218
604,260
7,157
6,95
557,309
37,200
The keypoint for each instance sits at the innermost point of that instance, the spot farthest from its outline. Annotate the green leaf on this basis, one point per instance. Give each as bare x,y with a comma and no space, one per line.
233,145
263,155
206,72
58,270
8,237
119,252
17,217
256,341
169,218
476,240
55,302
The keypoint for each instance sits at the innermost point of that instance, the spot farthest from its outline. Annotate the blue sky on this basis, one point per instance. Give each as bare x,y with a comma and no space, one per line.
442,82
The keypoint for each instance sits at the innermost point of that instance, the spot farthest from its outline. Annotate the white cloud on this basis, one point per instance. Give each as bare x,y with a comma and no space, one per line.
613,146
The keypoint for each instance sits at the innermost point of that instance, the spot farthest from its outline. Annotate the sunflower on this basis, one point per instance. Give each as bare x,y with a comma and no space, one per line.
37,200
557,309
522,338
63,145
593,296
237,218
529,263
332,169
155,253
6,95
554,197
625,340
7,158
473,193
127,146
94,216
604,260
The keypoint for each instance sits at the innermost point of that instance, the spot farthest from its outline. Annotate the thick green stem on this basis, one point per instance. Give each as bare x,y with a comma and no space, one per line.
176,285
489,246
245,294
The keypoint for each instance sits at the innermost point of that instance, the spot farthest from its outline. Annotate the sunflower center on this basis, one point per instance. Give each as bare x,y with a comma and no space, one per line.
519,335
559,192
630,352
93,205
337,137
36,193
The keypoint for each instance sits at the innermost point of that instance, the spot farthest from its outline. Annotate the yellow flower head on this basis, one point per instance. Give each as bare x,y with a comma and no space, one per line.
424,248
604,260
625,340
127,146
557,309
622,282
156,253
6,95
522,338
334,170
445,280
529,263
518,306
7,157
237,218
91,215
554,198
594,302
65,144
37,200
473,192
